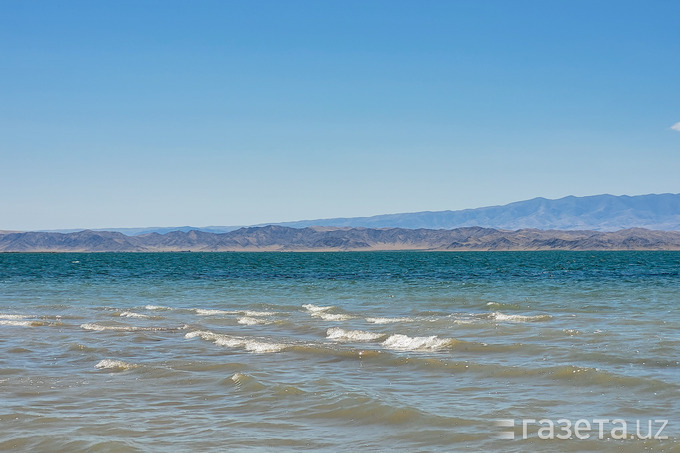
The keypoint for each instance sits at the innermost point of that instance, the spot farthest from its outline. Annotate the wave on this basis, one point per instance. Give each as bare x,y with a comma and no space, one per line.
388,320
338,334
204,312
99,328
518,318
130,314
8,316
109,364
332,316
156,307
405,343
250,321
249,313
258,313
248,344
315,308
244,381
10,322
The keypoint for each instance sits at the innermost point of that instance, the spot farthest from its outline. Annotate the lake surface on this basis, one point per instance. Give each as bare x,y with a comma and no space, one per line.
407,351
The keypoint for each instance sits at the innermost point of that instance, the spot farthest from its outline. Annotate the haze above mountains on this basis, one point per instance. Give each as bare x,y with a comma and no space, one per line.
596,213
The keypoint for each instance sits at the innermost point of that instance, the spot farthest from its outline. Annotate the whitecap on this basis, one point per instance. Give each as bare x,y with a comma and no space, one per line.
332,316
315,308
248,344
99,328
519,318
338,334
156,307
250,321
8,316
129,314
204,312
258,313
8,322
387,320
405,343
115,364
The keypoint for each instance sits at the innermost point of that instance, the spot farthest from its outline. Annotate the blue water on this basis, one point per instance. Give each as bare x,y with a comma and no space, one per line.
403,351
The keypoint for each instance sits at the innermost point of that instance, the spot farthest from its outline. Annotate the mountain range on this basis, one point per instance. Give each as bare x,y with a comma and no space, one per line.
279,238
597,213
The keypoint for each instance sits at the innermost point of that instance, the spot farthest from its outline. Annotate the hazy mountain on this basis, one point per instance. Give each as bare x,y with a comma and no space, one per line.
146,230
278,238
598,212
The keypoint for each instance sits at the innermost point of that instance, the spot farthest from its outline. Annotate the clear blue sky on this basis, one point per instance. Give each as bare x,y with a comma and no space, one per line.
167,113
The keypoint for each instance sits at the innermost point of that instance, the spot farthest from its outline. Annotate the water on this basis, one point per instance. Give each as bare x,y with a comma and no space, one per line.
377,351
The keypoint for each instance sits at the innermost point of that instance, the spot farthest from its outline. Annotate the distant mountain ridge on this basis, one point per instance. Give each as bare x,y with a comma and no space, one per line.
597,213
279,238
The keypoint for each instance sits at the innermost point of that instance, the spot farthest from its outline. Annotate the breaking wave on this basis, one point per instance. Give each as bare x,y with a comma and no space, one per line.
388,320
130,314
405,343
228,341
338,334
99,327
519,318
108,364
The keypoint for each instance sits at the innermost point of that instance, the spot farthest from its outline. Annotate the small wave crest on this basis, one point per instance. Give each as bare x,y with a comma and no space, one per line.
204,312
338,334
388,320
130,314
11,322
108,364
249,313
258,313
156,307
99,328
316,308
250,321
244,381
251,345
8,316
405,343
332,316
519,318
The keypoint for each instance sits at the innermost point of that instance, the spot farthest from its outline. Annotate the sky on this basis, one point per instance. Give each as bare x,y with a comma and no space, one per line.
168,113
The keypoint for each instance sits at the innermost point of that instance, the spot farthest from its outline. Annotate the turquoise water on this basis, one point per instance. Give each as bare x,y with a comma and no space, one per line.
409,351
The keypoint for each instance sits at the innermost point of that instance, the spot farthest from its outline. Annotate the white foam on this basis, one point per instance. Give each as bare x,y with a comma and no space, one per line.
259,313
388,320
115,364
228,341
157,307
239,378
250,321
7,322
315,308
405,343
129,314
7,316
519,318
99,328
331,316
248,313
203,312
338,334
